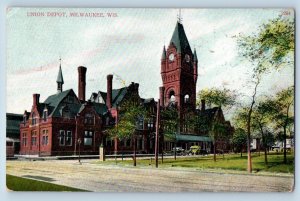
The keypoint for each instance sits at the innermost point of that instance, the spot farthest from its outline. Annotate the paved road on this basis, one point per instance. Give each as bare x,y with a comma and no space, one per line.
109,178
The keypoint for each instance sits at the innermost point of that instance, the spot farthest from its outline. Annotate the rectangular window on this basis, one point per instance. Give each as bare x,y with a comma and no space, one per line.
69,138
45,137
33,138
88,138
61,138
24,139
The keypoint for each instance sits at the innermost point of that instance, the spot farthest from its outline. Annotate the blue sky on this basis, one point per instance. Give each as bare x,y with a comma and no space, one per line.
129,46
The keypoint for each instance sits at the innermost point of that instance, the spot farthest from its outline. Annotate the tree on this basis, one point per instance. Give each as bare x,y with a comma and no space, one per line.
216,133
239,140
262,114
130,113
170,124
271,47
217,97
284,116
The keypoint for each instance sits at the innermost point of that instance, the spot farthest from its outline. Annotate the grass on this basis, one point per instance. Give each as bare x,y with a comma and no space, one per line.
23,184
229,162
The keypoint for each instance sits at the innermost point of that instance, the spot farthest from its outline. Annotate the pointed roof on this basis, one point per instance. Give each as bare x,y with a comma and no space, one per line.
164,54
179,39
60,78
195,56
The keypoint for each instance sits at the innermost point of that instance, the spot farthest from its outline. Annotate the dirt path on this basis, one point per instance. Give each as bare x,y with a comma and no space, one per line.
100,178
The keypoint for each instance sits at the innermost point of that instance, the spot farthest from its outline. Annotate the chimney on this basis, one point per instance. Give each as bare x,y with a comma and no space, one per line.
36,99
109,91
81,83
202,105
161,96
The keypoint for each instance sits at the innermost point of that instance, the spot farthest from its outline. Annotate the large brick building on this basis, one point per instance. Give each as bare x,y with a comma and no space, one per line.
54,126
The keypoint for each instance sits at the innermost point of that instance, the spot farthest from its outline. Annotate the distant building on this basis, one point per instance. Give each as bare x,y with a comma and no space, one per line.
53,127
13,133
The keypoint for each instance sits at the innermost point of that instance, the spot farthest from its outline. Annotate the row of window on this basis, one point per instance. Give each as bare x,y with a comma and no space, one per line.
33,138
34,119
65,138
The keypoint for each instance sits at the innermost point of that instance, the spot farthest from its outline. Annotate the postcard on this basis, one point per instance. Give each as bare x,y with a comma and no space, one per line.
150,100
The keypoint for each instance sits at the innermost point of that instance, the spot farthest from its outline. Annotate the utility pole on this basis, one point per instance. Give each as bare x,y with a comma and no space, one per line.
157,133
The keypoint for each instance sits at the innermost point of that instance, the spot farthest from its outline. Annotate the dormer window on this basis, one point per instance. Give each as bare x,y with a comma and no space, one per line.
33,119
45,114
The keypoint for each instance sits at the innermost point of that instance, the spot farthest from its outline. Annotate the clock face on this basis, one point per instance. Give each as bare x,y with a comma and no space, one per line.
171,57
187,58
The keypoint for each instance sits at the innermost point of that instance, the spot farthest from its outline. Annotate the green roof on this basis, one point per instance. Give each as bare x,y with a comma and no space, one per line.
192,138
100,108
55,99
117,95
180,40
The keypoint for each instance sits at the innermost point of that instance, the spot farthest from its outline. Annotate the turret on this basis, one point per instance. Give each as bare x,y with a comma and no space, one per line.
60,79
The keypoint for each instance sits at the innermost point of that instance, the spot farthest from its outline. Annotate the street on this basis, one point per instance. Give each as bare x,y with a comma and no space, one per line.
96,177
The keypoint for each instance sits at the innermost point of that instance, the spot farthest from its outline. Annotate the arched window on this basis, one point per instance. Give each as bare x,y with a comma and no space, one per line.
186,98
172,97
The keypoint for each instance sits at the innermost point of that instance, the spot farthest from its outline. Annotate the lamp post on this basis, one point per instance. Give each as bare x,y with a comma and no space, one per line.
79,142
150,126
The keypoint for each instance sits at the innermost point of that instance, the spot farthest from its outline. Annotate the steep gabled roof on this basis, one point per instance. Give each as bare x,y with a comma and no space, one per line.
55,99
55,106
117,95
100,108
180,40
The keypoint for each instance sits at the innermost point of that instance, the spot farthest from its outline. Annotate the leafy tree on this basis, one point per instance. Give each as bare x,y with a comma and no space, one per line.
130,112
217,97
217,132
269,48
284,116
170,124
262,114
239,140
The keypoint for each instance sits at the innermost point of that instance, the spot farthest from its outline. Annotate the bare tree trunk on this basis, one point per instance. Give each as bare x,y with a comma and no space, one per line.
249,166
175,150
266,155
284,144
215,158
134,151
162,150
241,153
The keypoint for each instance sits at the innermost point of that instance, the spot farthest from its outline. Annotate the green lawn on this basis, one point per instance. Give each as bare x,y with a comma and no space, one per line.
22,184
229,162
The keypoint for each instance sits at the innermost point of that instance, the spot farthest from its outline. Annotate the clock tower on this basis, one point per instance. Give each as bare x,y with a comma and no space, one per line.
179,73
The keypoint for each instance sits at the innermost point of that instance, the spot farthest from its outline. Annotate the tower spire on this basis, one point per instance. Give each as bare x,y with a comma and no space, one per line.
179,18
60,79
